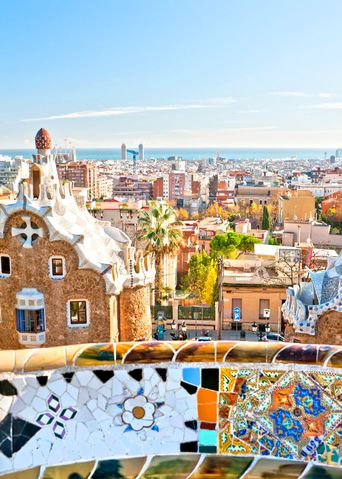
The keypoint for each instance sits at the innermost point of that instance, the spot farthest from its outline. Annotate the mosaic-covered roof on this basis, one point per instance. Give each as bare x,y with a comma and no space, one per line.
99,245
326,283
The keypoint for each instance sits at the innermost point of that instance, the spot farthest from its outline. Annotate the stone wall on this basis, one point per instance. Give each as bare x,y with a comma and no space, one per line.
328,330
30,269
109,406
135,314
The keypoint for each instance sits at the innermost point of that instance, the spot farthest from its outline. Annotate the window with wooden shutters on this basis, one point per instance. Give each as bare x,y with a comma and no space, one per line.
57,267
78,313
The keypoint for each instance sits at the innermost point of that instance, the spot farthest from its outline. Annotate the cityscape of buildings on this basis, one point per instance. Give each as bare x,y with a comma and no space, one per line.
210,198
170,240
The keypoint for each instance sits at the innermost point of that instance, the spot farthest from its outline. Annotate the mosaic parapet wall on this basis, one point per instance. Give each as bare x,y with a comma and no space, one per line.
187,409
304,317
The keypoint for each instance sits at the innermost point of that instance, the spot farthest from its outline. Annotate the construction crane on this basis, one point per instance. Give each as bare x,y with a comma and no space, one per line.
134,158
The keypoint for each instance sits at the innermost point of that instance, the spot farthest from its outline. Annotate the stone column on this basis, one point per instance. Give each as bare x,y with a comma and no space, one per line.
135,314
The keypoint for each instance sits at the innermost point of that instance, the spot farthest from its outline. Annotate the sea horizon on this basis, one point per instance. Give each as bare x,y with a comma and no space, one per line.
190,153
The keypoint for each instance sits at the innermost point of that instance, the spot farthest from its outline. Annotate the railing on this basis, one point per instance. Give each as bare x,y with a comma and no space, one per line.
31,339
166,310
196,313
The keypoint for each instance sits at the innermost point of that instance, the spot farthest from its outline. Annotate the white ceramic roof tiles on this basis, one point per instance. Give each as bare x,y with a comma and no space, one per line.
98,245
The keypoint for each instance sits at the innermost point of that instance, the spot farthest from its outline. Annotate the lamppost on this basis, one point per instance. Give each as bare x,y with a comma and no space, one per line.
259,332
179,333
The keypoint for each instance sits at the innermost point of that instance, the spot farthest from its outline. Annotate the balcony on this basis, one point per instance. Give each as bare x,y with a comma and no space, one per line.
31,340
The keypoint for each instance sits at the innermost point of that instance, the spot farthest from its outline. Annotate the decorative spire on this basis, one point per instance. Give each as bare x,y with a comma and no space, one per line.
43,140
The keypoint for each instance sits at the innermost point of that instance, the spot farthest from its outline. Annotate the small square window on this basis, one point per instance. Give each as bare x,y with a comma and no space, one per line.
57,267
5,265
78,313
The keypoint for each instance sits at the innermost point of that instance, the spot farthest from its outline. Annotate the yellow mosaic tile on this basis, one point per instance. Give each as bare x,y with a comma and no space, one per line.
253,352
196,351
222,348
176,344
96,355
44,359
77,470
28,474
121,350
21,357
227,379
129,468
222,467
153,352
180,465
72,351
7,361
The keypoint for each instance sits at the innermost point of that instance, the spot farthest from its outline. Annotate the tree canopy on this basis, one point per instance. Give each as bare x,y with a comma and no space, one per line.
201,279
266,222
160,231
230,244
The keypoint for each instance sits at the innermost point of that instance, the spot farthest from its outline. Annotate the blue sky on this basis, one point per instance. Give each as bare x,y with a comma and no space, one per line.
216,73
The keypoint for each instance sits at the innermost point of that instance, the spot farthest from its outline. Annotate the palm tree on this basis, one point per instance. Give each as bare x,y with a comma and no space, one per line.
159,230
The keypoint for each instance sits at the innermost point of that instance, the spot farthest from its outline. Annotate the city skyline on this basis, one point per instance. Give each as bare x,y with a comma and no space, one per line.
216,74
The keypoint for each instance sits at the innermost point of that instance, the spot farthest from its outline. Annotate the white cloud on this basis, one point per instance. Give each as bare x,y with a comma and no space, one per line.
224,100
288,93
325,95
219,131
328,106
129,110
249,111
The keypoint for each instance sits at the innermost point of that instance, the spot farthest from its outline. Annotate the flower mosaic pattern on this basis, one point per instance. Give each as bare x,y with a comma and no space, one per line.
178,409
56,416
138,413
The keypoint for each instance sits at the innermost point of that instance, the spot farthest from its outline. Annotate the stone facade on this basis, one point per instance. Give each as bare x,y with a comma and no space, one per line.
62,271
30,269
135,323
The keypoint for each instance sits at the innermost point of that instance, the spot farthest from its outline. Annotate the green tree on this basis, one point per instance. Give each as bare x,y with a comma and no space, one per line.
161,233
230,244
247,243
225,245
273,241
266,223
202,277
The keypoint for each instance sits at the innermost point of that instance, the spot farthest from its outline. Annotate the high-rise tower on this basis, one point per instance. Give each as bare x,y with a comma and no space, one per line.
123,152
141,152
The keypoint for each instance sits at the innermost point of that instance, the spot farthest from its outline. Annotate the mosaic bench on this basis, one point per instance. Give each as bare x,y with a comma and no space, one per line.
172,410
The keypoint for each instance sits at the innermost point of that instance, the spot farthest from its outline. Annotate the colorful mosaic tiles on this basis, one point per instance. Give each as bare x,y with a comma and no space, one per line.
250,417
187,466
111,354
